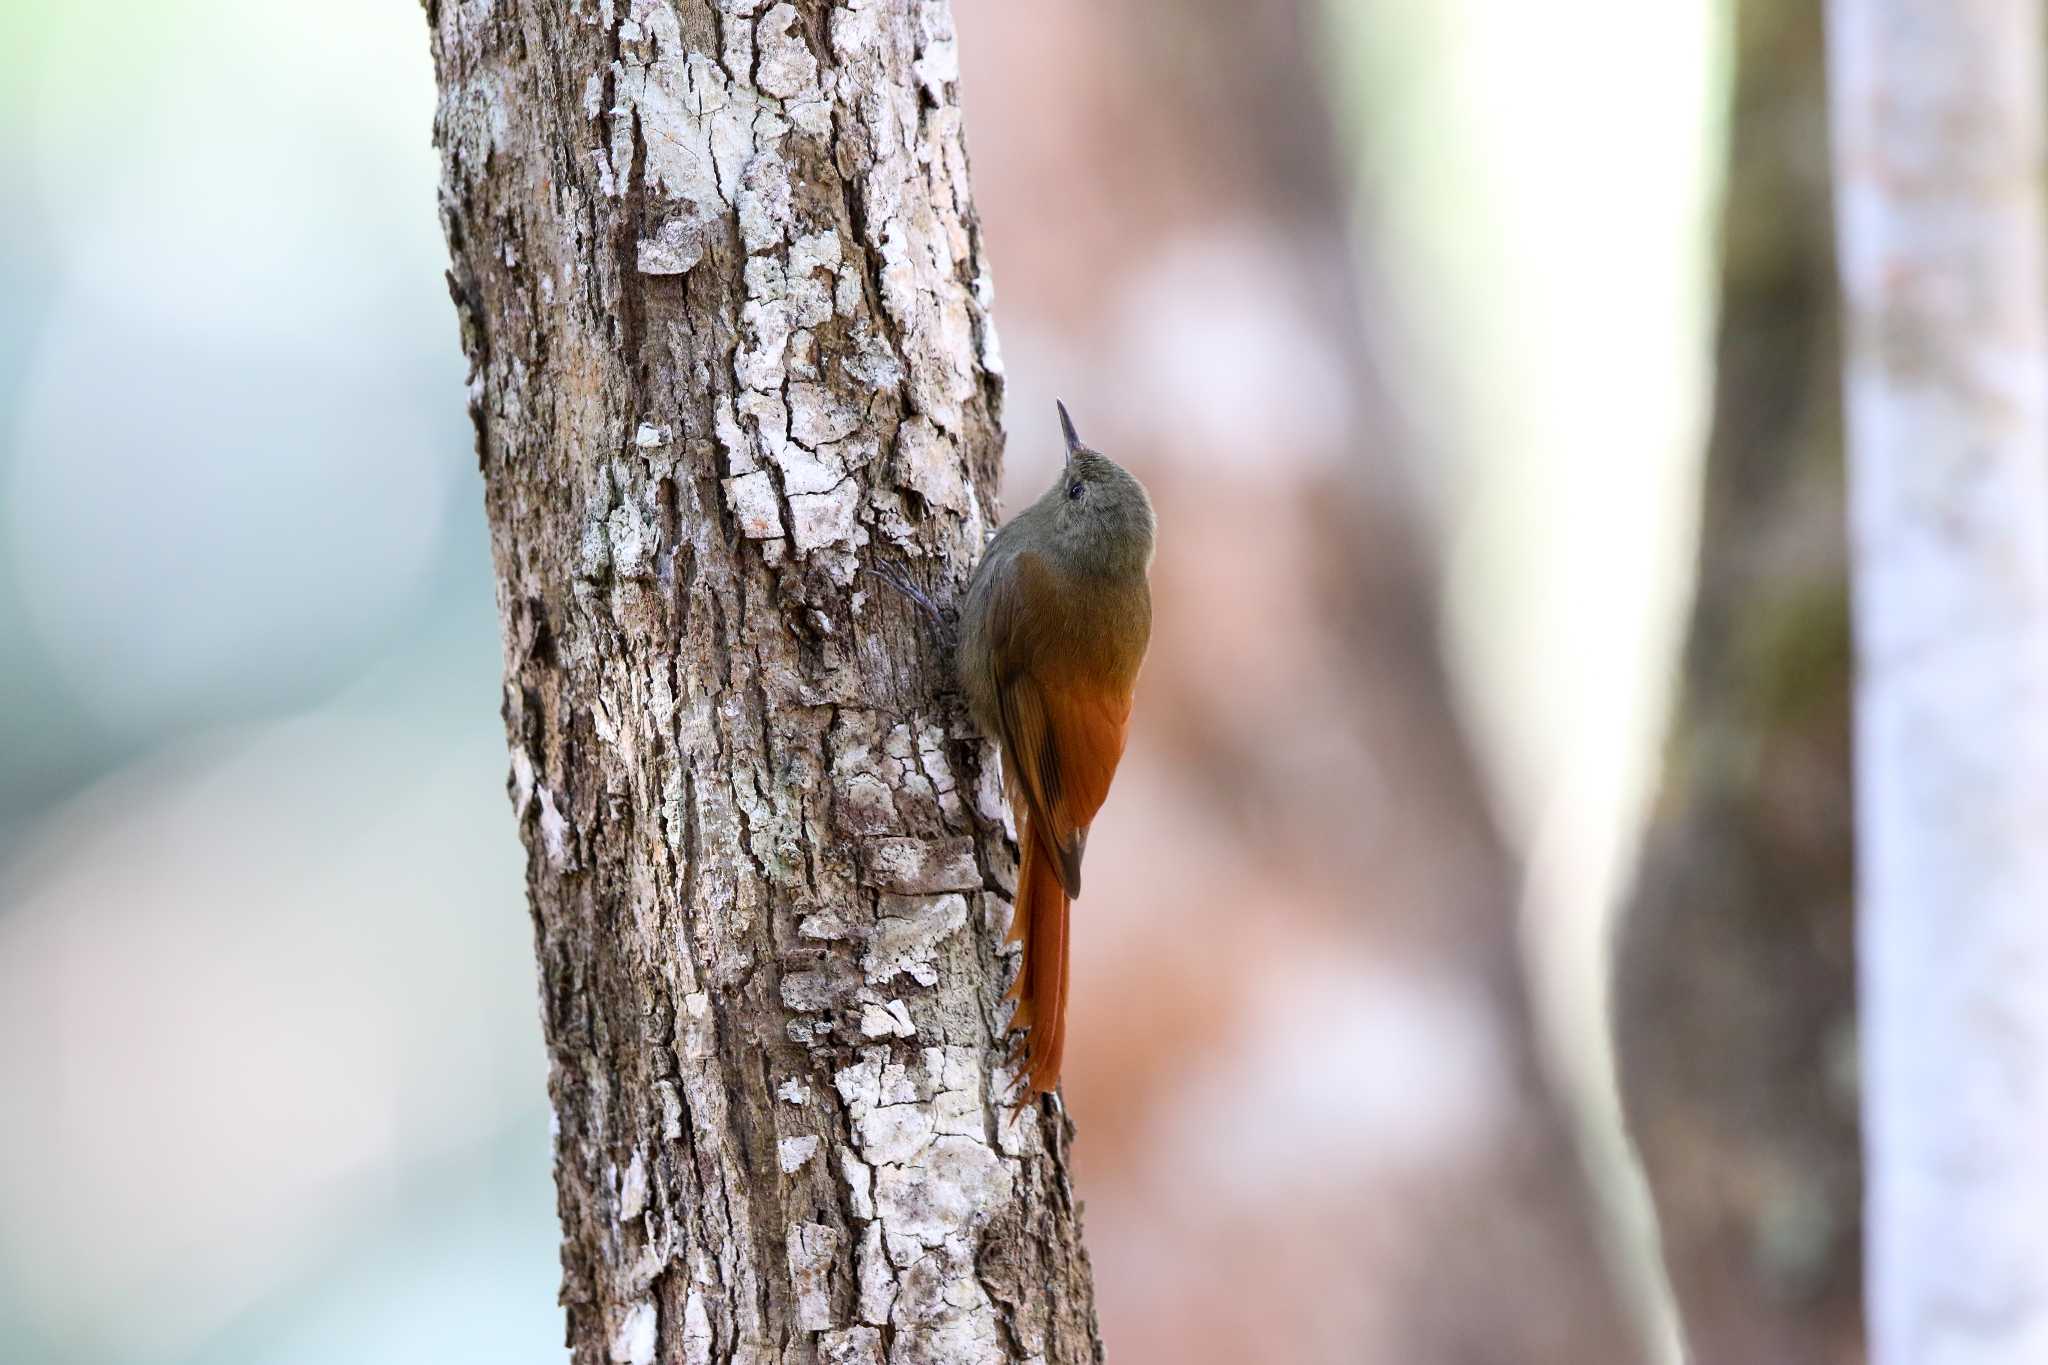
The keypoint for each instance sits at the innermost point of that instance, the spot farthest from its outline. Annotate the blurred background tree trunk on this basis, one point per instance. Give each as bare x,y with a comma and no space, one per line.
725,306
1938,118
1734,1005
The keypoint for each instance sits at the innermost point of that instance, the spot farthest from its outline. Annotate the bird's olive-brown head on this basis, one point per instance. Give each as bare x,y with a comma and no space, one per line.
1100,517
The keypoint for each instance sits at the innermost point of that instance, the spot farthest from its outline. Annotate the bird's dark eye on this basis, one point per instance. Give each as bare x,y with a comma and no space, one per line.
1074,491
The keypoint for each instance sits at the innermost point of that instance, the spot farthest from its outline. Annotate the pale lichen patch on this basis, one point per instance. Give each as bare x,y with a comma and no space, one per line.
821,519
522,781
555,833
990,801
783,66
764,200
1017,1130
957,1181
633,1342
633,1189
792,1153
900,1086
907,938
739,451
937,67
827,926
875,1276
807,471
938,769
697,1338
927,463
829,986
958,1113
671,1110
759,363
851,1346
694,1034
632,540
812,1248
593,550
859,1085
671,249
888,1019
770,420
754,506
893,1133
921,867
991,348
812,300
818,417
860,1182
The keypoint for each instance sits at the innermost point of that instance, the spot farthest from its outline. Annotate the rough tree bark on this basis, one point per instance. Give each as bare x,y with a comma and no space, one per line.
1734,1000
1938,138
723,296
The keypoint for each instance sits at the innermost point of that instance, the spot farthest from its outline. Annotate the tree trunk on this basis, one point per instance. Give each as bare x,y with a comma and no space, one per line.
1938,108
1734,998
723,295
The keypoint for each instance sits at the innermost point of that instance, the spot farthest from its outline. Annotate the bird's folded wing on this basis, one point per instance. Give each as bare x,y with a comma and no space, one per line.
1063,730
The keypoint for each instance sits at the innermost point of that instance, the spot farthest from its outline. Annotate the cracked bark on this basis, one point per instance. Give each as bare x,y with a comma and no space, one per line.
722,292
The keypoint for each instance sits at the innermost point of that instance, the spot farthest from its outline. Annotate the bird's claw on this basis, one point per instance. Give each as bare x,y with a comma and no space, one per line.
894,577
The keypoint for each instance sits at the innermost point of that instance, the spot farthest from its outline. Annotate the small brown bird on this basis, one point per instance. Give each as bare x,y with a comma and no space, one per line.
1051,637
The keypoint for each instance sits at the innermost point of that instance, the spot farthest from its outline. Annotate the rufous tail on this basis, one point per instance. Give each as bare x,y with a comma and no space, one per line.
1040,989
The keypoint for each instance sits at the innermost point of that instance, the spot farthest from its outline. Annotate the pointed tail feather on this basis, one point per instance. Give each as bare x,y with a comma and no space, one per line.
1041,985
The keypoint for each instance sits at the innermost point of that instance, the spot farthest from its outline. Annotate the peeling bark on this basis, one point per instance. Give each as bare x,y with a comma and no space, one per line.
723,296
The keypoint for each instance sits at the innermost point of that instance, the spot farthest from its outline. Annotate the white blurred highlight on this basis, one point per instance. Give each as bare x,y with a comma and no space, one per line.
221,485
240,986
1552,174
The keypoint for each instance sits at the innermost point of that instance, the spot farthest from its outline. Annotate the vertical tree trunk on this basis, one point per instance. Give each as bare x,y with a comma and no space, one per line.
723,296
1734,1000
1938,108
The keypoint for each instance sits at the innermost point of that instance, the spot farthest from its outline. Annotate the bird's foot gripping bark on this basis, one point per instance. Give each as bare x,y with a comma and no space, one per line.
942,624
1021,1094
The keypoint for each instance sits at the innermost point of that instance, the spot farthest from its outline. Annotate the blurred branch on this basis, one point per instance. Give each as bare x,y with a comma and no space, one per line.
724,301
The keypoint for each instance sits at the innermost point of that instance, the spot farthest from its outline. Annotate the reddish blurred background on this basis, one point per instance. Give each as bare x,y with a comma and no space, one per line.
1313,1123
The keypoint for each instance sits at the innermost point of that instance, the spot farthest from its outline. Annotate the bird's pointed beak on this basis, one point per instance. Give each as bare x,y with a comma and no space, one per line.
1074,446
